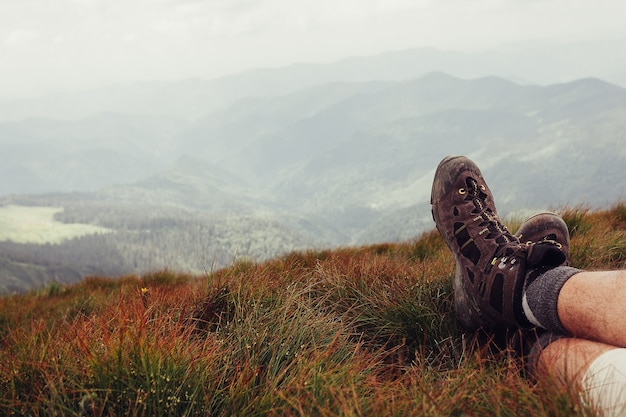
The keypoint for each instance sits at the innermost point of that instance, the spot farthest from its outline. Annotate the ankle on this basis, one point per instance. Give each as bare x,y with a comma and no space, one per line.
541,293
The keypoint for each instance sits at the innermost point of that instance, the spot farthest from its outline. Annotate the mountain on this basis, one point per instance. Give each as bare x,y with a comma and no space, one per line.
44,155
330,165
374,150
189,182
338,147
527,62
357,158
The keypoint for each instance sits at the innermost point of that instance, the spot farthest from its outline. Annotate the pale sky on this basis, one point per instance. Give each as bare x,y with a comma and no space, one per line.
60,45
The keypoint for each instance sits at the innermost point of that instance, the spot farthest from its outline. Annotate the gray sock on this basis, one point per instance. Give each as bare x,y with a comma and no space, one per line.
541,292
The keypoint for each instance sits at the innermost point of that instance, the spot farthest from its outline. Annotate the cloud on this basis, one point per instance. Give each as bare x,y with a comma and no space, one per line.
20,37
118,40
221,18
85,2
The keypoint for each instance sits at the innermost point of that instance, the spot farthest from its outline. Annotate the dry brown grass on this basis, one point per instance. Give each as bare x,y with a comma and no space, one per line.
352,331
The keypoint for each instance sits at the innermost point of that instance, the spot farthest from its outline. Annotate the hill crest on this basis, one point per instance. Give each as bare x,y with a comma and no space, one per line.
339,331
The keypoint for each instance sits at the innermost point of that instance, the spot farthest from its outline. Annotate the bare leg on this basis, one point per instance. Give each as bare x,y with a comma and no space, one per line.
568,359
592,305
596,370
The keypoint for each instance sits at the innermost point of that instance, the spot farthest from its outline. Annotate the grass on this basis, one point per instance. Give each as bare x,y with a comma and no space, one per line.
22,224
350,332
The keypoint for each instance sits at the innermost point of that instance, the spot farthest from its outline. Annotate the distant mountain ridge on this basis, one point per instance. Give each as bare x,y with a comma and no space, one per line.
348,137
528,63
330,165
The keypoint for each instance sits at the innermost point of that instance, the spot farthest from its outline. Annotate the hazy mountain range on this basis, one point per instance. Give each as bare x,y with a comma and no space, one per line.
540,63
330,161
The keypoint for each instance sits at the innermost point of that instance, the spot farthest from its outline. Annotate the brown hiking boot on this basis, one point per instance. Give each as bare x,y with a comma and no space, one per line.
546,227
491,262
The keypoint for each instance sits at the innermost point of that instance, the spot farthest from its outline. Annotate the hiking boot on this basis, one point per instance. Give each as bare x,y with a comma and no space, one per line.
491,263
546,227
521,343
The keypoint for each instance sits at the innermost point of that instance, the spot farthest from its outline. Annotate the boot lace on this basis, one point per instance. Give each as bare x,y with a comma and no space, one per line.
491,227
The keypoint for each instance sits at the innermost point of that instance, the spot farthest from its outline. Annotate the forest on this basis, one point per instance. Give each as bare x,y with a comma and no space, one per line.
144,238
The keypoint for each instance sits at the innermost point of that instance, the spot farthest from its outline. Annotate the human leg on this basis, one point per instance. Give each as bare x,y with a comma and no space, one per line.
501,282
592,305
491,263
596,370
584,304
532,278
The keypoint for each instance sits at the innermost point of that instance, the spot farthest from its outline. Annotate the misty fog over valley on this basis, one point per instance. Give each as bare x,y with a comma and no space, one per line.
194,174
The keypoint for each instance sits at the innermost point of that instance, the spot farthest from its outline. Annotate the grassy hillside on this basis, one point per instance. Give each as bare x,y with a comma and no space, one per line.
354,331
